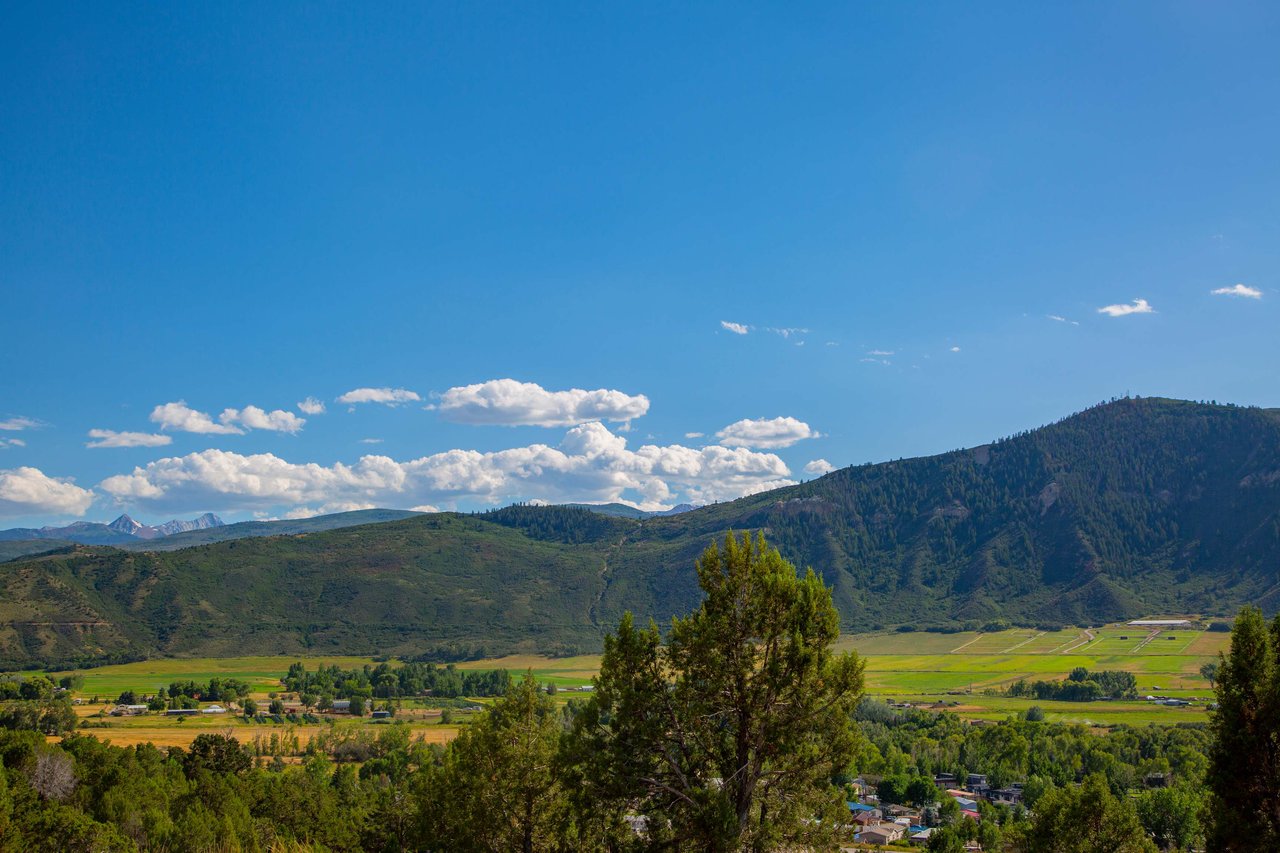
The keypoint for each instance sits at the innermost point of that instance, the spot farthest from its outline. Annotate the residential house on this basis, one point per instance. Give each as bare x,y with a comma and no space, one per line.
882,834
921,838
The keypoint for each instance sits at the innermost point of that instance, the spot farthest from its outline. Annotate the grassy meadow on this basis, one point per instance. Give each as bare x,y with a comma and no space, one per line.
962,672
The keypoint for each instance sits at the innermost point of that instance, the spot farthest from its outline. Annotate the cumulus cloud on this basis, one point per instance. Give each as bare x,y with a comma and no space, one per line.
255,418
818,467
1138,306
19,423
694,435
28,491
507,402
385,396
955,349
1238,290
183,418
736,328
590,464
179,416
111,438
765,433
311,406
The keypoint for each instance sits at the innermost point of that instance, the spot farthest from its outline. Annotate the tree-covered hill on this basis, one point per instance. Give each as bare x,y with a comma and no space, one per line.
1132,507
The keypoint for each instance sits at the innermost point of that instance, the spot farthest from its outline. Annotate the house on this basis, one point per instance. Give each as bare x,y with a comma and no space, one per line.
213,709
182,712
342,706
921,838
381,715
976,781
865,810
128,710
882,834
945,780
1005,796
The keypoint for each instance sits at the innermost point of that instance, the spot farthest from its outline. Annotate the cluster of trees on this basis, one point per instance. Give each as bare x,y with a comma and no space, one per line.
1081,685
389,682
738,730
34,702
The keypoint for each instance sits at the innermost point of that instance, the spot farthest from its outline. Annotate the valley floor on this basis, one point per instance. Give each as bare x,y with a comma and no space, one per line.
964,673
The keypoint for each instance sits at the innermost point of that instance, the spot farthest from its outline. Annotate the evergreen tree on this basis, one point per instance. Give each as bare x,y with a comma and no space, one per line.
727,737
1244,761
497,790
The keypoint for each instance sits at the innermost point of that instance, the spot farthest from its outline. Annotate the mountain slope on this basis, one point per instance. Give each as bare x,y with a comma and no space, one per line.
249,529
1130,508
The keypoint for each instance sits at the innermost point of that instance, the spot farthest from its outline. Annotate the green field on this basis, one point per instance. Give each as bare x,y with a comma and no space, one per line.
263,673
962,672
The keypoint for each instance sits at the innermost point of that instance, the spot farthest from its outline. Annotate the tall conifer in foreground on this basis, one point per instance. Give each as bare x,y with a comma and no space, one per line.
1244,771
726,737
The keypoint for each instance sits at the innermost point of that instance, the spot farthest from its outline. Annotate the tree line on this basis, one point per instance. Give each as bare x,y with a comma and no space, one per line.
738,729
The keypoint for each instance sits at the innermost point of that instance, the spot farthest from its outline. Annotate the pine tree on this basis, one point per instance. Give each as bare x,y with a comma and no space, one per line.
1244,768
727,737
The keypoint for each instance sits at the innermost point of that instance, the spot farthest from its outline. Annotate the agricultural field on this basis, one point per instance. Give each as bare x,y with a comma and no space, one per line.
963,672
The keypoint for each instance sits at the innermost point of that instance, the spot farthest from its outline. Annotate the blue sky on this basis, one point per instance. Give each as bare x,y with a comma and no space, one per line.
546,223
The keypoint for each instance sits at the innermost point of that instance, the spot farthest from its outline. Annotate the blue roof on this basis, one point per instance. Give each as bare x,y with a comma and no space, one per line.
861,807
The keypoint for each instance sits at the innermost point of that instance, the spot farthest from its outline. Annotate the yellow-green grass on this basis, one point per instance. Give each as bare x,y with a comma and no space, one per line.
900,665
262,672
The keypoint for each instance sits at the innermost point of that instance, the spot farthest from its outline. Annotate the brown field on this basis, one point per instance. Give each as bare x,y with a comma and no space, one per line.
165,733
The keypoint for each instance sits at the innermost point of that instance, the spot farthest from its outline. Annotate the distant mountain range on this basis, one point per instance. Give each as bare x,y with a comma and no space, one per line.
1132,508
625,511
121,531
130,535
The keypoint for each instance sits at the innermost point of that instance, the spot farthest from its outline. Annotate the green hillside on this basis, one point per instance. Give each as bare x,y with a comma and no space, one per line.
1130,508
14,549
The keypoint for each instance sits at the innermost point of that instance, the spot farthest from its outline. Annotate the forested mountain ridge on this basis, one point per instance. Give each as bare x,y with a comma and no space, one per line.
1132,507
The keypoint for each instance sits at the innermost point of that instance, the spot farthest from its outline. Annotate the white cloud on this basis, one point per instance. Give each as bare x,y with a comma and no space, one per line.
880,352
590,464
1238,290
1138,306
1059,319
311,406
255,418
425,508
694,434
507,402
736,328
765,433
955,349
385,396
27,491
182,417
819,467
788,332
19,423
111,438
6,443
371,441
